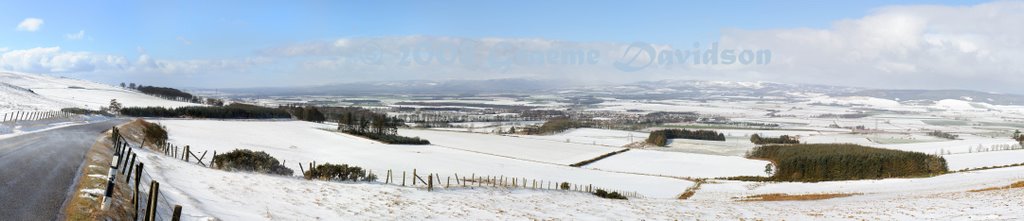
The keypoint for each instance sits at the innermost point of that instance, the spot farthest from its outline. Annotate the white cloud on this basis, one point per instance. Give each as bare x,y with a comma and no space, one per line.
75,36
184,40
977,47
53,60
4,49
30,24
936,47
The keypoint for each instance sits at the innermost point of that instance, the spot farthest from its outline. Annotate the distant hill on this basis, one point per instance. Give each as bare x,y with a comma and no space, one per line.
935,95
34,92
652,90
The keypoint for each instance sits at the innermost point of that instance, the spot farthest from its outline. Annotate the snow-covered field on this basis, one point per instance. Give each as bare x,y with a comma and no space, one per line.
302,142
605,137
53,93
207,193
679,164
558,152
660,174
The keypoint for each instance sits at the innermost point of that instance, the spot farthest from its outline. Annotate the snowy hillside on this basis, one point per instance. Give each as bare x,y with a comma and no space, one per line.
31,92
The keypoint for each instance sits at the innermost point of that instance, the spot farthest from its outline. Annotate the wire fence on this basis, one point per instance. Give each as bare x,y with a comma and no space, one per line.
154,205
149,203
16,116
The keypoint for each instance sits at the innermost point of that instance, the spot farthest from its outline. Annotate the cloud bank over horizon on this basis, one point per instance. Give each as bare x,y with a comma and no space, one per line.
915,47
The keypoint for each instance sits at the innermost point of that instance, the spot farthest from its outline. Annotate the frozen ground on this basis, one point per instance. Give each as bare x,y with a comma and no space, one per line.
558,152
302,142
605,137
679,164
53,93
208,194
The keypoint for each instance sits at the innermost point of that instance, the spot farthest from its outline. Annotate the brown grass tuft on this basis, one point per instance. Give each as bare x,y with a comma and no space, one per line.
802,197
1018,184
692,190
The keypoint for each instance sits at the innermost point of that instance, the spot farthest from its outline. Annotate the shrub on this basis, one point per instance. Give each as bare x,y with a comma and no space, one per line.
826,162
564,186
252,161
605,194
342,172
153,132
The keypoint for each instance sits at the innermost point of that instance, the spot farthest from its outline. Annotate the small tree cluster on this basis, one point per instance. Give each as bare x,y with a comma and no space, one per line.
252,161
559,124
310,113
784,139
939,133
376,126
342,172
661,137
1018,136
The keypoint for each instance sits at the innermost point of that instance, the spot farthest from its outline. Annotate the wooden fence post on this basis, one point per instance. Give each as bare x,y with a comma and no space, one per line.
123,171
449,183
414,176
187,153
176,216
135,196
130,167
403,178
154,194
215,157
430,183
388,179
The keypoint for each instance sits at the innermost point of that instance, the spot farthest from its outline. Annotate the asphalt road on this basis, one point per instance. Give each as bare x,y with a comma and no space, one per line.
38,170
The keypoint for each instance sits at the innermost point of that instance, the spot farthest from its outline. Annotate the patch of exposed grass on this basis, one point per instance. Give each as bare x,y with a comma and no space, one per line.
85,203
1018,184
692,190
801,197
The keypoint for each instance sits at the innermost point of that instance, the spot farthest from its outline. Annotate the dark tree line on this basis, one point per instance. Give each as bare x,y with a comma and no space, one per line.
232,111
311,114
167,93
784,139
826,162
661,137
172,94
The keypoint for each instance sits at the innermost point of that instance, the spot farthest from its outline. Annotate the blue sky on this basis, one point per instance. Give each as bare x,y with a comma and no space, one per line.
239,30
233,28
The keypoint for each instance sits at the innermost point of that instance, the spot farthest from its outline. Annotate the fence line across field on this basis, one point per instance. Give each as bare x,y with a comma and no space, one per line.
189,154
155,206
16,116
